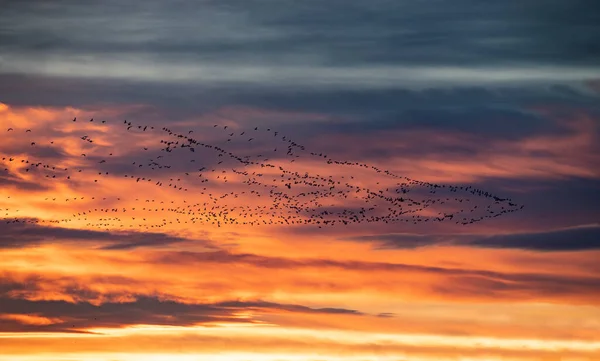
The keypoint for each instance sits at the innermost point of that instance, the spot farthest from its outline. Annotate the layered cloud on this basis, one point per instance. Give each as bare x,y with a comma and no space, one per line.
21,315
20,233
259,42
584,237
110,247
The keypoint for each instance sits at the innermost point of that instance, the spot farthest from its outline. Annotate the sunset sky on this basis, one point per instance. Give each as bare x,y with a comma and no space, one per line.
456,144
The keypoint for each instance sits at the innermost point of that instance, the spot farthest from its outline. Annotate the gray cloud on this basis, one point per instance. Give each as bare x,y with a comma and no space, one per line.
550,204
568,239
29,232
154,309
340,43
144,310
8,179
38,151
348,43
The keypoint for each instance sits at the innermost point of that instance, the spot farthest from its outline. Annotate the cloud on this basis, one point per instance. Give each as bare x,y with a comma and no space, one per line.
25,315
199,277
503,97
385,77
463,282
246,39
469,110
405,240
8,179
569,239
29,232
586,237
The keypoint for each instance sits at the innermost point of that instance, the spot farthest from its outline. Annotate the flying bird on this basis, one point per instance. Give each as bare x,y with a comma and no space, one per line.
294,197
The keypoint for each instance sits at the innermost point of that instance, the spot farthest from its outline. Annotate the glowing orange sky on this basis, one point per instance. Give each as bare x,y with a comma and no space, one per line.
237,292
278,180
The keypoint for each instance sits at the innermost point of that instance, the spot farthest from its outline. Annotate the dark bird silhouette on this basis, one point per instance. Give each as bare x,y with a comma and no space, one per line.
293,197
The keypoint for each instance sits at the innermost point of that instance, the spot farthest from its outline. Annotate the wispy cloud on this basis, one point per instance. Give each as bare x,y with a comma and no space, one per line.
580,238
22,232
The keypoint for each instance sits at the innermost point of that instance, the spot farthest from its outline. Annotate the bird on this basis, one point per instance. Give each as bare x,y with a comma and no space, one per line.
293,197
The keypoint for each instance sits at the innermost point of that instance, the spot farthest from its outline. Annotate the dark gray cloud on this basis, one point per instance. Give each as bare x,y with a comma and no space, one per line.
571,239
172,99
8,179
144,310
29,232
339,32
340,44
156,309
38,151
251,39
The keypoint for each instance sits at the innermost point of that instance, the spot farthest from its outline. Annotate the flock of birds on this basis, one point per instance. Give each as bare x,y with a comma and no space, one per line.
279,182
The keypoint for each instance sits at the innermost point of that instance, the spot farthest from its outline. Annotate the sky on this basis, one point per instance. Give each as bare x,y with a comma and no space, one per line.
279,180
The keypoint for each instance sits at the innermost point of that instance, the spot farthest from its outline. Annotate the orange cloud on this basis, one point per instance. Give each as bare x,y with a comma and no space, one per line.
105,240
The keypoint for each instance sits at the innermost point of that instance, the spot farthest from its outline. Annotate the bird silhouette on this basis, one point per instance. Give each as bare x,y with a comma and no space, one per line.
274,192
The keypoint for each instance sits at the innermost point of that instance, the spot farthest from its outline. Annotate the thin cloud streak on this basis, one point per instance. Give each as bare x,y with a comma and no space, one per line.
380,77
584,237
